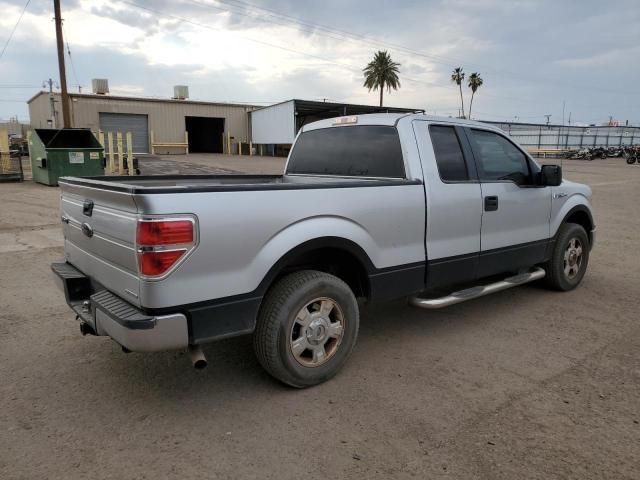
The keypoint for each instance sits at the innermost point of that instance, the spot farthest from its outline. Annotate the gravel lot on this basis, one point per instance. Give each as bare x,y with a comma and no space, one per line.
526,383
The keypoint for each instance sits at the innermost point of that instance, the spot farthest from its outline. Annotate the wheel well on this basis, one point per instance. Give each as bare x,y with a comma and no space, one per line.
583,219
335,261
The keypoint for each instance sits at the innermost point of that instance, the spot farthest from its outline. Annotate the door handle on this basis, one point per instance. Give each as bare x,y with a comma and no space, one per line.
490,204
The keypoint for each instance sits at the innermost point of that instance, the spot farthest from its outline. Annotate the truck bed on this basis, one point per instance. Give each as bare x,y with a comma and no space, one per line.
213,183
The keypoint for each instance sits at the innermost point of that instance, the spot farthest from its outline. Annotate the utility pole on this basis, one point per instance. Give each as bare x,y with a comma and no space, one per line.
562,112
548,117
66,116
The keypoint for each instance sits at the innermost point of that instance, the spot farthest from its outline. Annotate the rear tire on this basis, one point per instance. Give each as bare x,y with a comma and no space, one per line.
569,259
306,328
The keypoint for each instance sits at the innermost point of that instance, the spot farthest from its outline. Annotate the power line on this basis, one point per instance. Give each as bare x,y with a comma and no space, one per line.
73,67
448,61
14,29
268,44
262,42
345,66
311,27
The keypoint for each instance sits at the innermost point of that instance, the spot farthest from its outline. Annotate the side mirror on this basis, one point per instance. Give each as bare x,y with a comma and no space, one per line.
551,175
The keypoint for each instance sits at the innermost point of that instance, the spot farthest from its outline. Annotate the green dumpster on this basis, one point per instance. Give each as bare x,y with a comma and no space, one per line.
65,152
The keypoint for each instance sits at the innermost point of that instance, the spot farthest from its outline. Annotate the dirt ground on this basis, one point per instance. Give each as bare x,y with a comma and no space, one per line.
526,383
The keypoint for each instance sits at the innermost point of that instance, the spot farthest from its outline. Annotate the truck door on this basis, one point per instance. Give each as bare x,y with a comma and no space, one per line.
454,203
515,216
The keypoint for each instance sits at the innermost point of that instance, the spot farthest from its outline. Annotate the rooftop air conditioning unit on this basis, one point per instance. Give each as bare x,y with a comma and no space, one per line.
100,86
180,92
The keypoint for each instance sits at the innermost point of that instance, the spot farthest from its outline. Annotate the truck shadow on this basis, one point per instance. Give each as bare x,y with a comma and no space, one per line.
233,373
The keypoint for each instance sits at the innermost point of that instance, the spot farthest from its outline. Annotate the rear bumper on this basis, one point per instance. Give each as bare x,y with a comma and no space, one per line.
108,314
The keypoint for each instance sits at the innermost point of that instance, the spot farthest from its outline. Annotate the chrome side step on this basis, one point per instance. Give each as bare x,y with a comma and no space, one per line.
479,291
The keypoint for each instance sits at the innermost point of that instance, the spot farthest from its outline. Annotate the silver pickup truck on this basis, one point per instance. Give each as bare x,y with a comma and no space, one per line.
374,207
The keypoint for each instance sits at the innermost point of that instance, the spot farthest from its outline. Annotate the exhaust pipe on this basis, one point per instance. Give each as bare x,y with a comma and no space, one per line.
86,329
198,359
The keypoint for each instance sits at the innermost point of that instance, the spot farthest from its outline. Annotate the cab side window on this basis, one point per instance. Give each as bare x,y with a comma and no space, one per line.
498,159
449,157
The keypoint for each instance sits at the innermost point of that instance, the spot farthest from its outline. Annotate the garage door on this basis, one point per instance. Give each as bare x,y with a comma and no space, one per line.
138,125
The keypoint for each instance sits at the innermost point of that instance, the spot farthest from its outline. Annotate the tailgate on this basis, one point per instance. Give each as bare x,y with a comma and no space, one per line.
99,228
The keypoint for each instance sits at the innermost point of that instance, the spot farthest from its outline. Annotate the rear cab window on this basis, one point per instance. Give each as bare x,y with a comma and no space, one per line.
452,166
354,151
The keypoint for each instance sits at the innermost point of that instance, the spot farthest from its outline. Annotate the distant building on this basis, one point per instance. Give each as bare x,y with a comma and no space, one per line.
166,120
14,127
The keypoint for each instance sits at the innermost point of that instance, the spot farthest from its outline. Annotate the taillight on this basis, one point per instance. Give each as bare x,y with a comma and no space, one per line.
153,264
162,242
165,232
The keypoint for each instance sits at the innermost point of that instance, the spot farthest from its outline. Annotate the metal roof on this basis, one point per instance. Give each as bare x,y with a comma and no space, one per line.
143,99
335,109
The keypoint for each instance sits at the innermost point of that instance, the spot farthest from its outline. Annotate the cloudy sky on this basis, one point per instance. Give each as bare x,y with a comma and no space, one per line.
532,54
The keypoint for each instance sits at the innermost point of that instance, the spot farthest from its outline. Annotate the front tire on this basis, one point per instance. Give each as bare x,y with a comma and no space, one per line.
569,259
306,328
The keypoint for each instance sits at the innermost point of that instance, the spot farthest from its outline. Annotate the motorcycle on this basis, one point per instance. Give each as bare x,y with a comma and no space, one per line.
614,152
598,152
630,154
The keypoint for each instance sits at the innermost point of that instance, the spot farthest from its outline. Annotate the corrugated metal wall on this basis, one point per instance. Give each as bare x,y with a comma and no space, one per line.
166,117
558,136
274,124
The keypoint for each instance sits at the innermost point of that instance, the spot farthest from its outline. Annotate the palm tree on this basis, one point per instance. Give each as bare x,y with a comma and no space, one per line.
457,77
475,82
381,72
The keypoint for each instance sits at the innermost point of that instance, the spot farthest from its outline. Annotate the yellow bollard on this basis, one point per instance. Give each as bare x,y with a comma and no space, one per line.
112,163
251,149
153,150
186,141
132,171
120,154
229,144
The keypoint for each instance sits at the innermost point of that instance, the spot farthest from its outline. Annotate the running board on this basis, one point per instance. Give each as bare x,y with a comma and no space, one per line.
479,291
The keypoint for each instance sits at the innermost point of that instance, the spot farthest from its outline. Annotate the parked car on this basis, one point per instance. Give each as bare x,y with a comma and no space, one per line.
376,207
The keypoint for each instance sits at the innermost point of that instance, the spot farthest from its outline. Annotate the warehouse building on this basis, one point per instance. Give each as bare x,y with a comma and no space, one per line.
157,125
